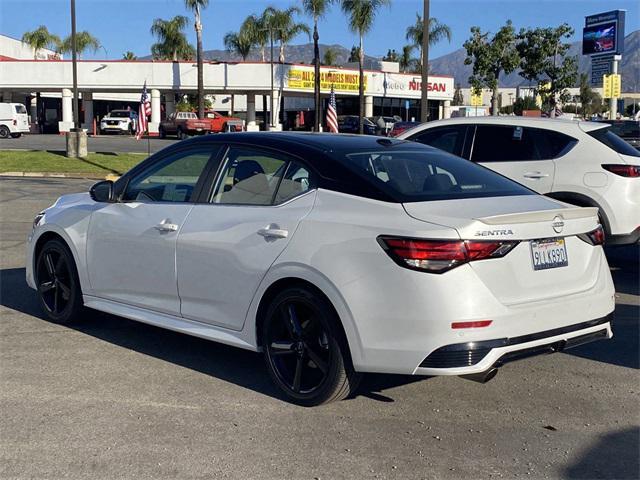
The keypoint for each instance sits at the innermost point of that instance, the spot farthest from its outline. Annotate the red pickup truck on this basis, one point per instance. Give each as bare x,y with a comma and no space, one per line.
222,123
183,124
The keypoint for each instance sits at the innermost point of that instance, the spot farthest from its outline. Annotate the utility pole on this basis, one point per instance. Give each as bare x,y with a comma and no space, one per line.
271,124
74,60
424,102
316,70
613,101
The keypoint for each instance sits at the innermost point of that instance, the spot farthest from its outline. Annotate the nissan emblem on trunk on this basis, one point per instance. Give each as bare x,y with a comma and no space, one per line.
558,223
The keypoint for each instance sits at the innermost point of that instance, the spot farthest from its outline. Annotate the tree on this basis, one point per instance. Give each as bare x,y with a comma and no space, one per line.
437,32
458,99
526,103
590,100
84,42
172,44
391,56
238,43
129,55
316,9
491,56
255,29
362,14
354,54
41,38
330,57
283,26
407,62
544,61
196,6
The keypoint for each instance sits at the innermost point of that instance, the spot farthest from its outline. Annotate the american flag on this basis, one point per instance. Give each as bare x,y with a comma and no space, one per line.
332,115
143,112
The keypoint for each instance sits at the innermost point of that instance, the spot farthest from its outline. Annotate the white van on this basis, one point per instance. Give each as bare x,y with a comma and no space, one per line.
14,120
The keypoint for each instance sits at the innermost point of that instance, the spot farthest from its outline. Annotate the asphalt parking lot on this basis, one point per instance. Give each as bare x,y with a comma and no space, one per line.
112,398
103,143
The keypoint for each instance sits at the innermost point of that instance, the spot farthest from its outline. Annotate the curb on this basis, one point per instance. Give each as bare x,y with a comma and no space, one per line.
60,175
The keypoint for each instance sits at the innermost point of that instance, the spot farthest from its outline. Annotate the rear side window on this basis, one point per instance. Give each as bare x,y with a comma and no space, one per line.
498,143
413,175
450,139
614,142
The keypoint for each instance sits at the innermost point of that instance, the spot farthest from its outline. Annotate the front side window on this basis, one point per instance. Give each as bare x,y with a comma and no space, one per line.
507,143
450,139
20,109
172,179
416,176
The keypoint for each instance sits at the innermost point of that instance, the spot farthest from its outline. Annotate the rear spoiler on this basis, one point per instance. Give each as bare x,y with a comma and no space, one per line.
571,213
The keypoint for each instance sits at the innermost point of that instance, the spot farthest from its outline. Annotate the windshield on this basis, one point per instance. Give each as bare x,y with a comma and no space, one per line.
119,114
614,142
20,109
414,175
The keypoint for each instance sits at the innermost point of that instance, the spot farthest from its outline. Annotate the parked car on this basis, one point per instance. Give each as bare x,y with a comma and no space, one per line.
383,124
183,124
119,121
628,130
582,163
14,120
400,127
350,124
332,254
222,123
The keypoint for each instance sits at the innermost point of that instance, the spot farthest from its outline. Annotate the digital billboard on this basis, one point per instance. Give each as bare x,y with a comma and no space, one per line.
599,38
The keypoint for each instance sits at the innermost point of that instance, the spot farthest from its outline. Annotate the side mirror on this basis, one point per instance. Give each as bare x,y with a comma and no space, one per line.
102,191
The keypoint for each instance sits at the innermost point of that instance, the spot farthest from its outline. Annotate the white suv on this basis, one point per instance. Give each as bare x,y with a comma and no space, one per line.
581,163
119,121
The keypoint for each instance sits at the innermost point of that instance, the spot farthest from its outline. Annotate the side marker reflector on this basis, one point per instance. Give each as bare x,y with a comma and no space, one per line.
476,324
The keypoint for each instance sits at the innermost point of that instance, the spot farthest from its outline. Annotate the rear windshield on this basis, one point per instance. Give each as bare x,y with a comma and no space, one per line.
625,128
614,142
20,109
119,114
422,175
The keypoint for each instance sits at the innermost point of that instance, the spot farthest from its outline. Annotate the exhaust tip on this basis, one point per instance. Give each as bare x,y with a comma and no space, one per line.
482,377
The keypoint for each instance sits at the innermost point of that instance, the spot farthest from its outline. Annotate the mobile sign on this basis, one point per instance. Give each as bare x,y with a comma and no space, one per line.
604,33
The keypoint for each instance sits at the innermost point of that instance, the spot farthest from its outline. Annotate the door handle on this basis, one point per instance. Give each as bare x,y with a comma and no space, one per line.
166,226
535,175
273,231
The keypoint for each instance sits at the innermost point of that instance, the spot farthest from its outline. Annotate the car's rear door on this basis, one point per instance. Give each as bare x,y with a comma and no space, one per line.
131,244
521,153
227,245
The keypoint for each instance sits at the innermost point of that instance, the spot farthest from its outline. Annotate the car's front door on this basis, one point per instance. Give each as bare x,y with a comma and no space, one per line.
521,153
131,243
226,247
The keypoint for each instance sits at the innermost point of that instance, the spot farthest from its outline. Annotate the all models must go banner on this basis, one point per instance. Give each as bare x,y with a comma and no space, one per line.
341,81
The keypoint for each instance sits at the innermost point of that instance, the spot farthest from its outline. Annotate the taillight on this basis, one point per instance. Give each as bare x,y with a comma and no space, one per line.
623,170
15,122
594,237
438,256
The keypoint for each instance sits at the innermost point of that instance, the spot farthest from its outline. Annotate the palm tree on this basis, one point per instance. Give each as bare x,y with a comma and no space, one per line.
238,43
437,32
41,38
84,41
129,55
405,59
196,5
172,43
255,29
316,9
330,57
362,14
284,27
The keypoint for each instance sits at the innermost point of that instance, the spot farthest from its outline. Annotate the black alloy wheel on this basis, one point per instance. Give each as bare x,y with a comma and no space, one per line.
57,280
305,350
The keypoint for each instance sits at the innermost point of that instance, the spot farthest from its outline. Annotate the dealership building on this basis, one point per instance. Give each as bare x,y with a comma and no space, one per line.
44,85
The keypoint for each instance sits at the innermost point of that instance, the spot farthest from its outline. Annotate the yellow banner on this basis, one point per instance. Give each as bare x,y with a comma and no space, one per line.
342,82
476,100
606,86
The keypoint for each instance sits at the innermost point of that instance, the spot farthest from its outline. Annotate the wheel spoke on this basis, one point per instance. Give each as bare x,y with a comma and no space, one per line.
55,300
59,264
297,377
282,345
293,321
46,286
66,291
315,358
48,262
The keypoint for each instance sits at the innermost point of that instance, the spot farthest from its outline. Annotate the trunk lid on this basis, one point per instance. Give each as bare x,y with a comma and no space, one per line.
512,279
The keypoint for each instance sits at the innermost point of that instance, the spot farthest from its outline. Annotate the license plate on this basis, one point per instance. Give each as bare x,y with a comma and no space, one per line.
198,129
549,253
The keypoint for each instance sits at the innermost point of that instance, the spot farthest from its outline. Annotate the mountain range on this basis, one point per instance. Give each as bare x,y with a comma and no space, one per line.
452,64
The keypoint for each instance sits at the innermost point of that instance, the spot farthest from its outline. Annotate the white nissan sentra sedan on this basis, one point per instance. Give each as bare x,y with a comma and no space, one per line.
332,254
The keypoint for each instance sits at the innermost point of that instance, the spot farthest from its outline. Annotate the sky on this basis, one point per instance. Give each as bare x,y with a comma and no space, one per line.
122,25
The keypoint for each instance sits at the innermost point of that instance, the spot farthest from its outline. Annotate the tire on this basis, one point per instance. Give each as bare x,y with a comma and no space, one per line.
4,131
16,135
305,350
131,131
162,133
59,290
181,134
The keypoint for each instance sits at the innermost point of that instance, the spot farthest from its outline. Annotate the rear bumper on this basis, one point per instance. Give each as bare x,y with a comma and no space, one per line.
473,357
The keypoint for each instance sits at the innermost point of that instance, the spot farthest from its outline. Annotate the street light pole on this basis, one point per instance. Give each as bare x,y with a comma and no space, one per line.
271,124
424,99
74,59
